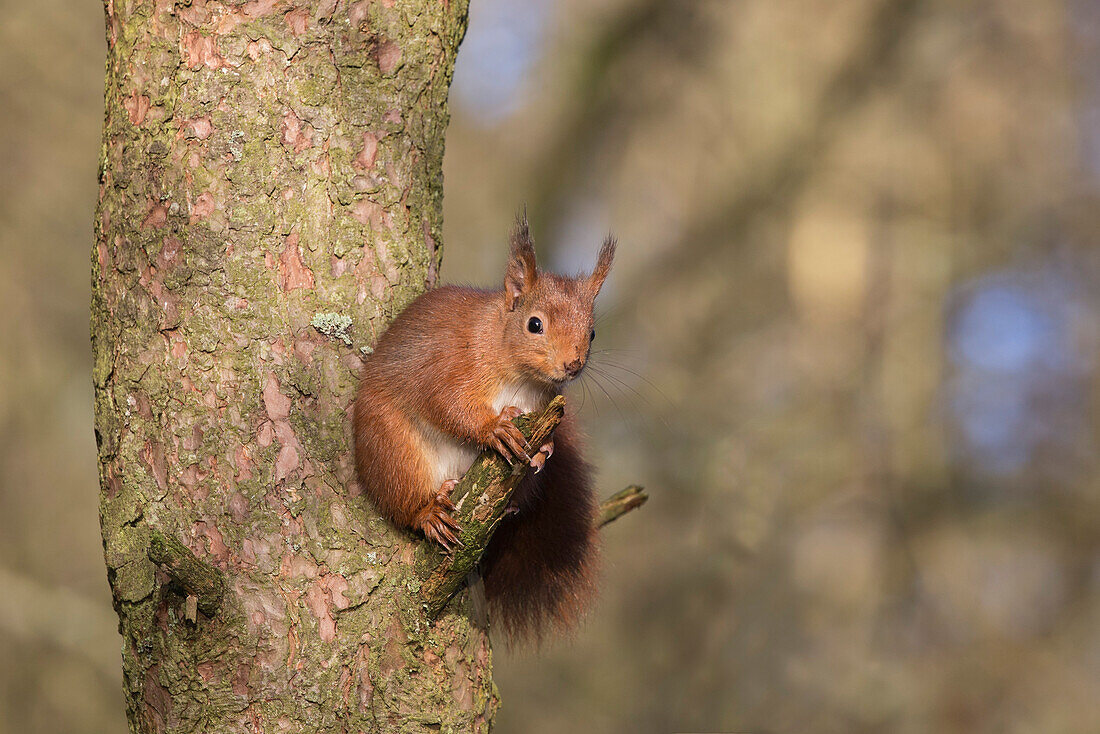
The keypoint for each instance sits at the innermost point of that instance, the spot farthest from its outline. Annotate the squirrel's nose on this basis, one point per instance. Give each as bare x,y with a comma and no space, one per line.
573,368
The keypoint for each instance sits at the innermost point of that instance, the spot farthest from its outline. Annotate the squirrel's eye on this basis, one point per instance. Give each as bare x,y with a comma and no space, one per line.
534,325
592,336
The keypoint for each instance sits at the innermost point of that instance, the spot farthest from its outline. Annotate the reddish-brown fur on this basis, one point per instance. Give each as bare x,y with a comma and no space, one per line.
427,395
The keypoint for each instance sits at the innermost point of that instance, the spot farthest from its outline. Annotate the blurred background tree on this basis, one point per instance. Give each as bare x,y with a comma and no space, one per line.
850,345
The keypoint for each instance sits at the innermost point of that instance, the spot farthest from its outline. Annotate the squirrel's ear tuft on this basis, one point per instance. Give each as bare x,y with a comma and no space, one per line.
603,264
522,270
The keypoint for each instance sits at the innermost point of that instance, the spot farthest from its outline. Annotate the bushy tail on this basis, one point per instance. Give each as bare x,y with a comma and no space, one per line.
541,566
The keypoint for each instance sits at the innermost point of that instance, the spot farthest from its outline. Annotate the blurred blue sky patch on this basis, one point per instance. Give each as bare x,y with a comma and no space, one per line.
503,43
1012,341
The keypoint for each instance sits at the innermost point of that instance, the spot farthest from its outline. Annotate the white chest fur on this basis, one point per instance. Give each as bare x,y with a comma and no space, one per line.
450,458
527,396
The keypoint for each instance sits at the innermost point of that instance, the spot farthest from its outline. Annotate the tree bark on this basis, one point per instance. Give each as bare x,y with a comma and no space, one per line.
270,195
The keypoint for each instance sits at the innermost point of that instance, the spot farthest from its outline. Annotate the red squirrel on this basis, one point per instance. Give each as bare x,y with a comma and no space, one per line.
444,382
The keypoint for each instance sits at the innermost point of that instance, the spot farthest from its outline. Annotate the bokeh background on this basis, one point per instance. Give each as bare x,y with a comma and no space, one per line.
850,346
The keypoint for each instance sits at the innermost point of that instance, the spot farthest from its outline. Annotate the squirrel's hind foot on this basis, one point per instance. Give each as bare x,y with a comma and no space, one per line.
435,520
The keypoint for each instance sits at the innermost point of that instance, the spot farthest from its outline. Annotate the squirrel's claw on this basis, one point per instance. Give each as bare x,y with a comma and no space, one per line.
538,461
442,535
442,528
507,440
436,522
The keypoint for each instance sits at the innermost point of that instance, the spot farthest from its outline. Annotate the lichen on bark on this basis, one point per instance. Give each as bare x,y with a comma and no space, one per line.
264,162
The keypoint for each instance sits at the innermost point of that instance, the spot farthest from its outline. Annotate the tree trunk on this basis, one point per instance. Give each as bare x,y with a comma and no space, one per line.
270,195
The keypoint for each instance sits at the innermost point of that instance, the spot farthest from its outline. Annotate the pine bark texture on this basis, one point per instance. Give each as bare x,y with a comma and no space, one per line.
270,196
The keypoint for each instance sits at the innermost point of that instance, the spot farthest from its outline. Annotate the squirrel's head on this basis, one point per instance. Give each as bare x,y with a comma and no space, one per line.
549,317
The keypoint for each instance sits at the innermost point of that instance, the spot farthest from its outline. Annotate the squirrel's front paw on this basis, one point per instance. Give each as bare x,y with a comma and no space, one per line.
538,461
506,439
435,520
